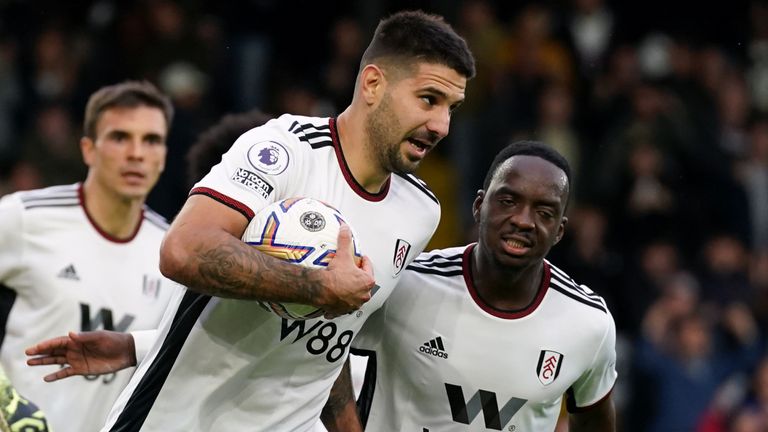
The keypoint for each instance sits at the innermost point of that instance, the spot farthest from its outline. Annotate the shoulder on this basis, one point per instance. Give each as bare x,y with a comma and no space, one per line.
438,263
50,197
289,129
274,146
582,295
416,188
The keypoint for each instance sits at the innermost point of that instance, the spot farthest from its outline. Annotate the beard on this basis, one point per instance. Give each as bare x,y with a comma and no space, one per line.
385,137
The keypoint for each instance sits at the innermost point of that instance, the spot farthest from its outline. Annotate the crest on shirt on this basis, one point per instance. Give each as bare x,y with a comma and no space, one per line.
402,248
269,157
549,365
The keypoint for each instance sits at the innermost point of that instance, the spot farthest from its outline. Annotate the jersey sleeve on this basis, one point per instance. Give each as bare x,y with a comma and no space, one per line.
142,342
11,226
596,382
264,165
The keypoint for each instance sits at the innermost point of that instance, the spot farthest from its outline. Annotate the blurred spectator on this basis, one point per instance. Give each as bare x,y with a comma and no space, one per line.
51,148
757,75
338,75
655,265
556,127
752,416
753,175
591,28
10,101
724,272
56,65
688,364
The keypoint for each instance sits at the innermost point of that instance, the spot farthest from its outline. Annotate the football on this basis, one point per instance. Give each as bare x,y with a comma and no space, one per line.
302,231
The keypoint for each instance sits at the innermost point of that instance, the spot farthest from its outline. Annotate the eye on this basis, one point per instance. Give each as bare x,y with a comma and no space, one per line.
154,140
118,136
430,100
546,214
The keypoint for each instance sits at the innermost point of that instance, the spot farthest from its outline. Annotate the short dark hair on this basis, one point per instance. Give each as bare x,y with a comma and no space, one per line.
528,148
128,94
410,36
214,141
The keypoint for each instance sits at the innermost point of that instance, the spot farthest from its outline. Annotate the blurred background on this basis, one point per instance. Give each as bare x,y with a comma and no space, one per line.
661,107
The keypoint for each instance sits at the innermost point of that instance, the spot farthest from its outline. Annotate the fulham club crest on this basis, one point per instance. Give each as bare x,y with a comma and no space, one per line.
402,248
549,366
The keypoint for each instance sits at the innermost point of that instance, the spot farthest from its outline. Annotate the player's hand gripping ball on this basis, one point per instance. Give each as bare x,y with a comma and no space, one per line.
302,231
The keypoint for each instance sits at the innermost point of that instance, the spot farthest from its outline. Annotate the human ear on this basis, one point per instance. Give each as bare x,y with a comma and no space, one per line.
372,83
87,149
477,204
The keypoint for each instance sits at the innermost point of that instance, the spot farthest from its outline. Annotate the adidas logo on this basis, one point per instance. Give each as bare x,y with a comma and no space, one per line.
434,347
69,272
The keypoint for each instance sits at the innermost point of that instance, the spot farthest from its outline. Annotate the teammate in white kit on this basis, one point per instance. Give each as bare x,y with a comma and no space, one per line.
86,256
221,361
490,336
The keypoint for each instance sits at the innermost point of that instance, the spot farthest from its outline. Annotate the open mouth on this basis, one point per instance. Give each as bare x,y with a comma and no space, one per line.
515,246
133,176
419,144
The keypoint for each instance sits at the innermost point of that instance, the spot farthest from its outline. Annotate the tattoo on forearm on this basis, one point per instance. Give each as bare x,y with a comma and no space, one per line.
236,272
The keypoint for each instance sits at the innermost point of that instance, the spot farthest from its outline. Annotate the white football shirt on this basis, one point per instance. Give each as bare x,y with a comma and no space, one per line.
224,364
447,361
59,272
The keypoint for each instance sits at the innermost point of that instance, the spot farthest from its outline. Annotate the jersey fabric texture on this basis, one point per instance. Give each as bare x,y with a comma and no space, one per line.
447,361
60,273
224,364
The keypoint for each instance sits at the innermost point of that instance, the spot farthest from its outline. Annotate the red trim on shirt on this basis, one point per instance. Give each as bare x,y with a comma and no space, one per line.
227,201
348,174
515,314
106,235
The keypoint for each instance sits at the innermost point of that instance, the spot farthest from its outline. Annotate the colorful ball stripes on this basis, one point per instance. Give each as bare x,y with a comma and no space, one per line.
301,231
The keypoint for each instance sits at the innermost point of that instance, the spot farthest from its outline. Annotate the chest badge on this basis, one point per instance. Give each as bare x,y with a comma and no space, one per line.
402,248
549,365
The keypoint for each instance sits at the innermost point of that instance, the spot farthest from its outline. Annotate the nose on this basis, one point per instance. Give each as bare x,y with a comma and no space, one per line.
523,218
440,123
136,149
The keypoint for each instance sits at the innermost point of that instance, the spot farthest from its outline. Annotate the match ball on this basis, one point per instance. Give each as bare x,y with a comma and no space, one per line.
301,231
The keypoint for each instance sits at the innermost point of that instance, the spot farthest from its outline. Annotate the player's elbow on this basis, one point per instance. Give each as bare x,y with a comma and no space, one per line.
173,257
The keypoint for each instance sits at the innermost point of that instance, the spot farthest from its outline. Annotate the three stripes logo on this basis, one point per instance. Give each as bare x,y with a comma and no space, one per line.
548,367
465,411
434,347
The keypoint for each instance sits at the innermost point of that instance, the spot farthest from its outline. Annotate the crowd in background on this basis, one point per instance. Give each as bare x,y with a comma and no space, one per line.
661,109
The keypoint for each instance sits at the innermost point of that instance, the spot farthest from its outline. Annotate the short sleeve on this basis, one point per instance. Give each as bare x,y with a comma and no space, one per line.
597,381
262,166
142,342
11,236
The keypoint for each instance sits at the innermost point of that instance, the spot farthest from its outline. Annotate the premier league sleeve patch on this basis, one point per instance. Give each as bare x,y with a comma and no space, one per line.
268,157
252,181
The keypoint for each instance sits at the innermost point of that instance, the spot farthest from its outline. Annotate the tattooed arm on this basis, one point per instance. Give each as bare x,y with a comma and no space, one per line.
340,412
203,251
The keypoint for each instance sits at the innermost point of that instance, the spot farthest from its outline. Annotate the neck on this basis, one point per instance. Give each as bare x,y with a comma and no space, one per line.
505,289
358,151
115,215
